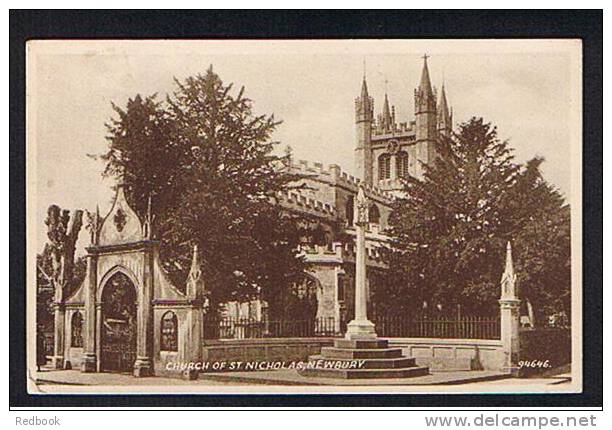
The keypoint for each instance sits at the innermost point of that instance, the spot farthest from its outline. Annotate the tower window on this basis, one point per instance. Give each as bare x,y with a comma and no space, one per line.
169,332
384,166
402,164
374,214
76,332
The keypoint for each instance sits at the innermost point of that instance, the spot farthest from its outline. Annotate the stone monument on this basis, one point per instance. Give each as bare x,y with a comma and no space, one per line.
360,342
360,327
509,308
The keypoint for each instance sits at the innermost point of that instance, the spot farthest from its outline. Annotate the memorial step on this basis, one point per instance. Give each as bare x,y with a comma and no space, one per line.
334,353
361,344
374,363
408,372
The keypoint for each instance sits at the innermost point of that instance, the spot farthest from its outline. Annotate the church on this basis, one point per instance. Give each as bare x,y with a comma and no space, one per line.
386,151
127,315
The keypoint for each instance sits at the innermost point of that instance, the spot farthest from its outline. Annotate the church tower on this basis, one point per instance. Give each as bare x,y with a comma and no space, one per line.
364,115
388,150
426,117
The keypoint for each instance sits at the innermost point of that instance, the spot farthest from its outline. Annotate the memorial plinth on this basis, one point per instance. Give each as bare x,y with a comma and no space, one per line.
374,359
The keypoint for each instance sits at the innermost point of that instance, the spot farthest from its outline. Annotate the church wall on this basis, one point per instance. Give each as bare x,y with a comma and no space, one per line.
326,296
453,354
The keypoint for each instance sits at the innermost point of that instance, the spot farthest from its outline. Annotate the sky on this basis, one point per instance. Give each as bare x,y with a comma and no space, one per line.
529,89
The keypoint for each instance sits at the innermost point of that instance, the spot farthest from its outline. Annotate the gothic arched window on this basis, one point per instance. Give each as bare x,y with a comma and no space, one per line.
76,330
169,332
401,164
350,210
374,214
384,166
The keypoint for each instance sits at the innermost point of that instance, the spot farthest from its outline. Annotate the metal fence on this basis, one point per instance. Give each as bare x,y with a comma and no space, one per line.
455,327
250,328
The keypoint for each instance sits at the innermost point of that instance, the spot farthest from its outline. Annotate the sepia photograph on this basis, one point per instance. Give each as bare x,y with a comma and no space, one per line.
304,216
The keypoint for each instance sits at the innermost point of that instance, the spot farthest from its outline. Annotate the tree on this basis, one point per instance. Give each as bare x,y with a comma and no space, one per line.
451,227
541,228
58,274
62,233
207,162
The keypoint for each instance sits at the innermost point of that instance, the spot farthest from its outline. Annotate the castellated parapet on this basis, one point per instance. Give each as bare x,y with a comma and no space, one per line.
343,253
333,175
292,199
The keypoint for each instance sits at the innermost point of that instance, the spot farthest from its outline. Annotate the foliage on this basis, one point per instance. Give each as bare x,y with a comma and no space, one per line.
451,228
45,286
541,231
62,233
207,162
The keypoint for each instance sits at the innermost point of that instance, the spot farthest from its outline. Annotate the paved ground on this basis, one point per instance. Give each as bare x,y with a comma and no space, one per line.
291,377
73,381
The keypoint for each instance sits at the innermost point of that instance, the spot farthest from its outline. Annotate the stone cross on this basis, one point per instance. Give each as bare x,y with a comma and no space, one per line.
360,327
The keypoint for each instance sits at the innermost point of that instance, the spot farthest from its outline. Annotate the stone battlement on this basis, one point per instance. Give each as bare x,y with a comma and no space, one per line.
403,129
333,174
340,252
293,199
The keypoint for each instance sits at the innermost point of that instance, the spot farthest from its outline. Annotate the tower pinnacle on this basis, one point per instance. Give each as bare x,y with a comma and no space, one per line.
445,119
364,116
425,84
424,98
387,120
364,88
425,111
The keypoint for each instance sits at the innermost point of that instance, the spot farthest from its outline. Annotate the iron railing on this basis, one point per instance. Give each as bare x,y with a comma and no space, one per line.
454,327
251,328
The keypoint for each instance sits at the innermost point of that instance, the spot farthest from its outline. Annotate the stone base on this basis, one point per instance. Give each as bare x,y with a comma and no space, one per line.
57,362
374,358
360,329
143,367
190,375
513,371
89,363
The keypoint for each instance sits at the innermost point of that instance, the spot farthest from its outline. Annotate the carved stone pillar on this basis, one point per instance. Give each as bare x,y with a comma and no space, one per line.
144,351
98,334
509,309
59,335
89,361
509,316
196,292
360,327
192,346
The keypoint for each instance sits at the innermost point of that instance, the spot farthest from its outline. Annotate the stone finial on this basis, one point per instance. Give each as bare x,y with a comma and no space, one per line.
444,114
508,280
146,226
195,283
93,225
